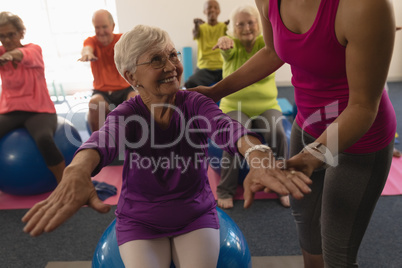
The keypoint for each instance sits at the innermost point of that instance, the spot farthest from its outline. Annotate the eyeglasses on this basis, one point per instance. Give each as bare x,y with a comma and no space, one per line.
158,61
241,25
8,35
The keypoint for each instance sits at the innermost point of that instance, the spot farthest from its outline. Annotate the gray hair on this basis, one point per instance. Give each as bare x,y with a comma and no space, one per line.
136,42
248,9
10,18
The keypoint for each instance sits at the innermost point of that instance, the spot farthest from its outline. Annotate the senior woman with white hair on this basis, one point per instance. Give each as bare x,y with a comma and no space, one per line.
166,210
256,106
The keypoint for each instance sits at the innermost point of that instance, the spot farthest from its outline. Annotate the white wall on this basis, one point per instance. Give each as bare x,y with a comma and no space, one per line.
395,72
176,17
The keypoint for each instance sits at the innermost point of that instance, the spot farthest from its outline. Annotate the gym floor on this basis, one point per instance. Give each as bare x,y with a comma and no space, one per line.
268,227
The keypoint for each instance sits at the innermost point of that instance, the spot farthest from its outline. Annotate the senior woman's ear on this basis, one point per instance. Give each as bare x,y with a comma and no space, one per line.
130,78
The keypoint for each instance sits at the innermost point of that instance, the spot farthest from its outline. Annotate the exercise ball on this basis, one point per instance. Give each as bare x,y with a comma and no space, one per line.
234,251
23,170
215,154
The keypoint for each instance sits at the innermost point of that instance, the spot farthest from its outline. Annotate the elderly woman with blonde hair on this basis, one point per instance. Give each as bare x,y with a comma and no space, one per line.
166,211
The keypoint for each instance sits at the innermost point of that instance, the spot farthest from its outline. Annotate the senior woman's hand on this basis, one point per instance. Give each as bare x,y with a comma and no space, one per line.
74,191
275,179
224,43
266,173
6,57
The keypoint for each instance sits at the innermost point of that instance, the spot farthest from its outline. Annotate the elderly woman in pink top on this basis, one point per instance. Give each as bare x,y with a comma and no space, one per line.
343,136
25,100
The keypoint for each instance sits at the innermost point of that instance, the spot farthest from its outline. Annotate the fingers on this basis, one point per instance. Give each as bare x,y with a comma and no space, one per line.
248,198
98,205
285,182
198,21
86,58
297,183
45,217
248,194
32,211
64,201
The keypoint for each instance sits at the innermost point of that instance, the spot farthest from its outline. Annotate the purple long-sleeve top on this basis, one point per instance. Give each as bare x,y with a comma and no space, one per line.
165,189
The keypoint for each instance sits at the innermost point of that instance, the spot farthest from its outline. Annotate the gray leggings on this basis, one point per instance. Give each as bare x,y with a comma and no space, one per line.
332,219
41,126
269,125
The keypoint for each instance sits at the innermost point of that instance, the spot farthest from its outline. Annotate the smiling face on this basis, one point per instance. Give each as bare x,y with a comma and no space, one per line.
10,37
246,28
154,83
103,27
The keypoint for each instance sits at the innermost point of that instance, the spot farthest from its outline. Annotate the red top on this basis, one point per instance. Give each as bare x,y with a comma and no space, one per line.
106,76
24,88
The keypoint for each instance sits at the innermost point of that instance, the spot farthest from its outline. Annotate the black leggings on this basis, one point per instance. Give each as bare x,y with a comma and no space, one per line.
41,126
332,219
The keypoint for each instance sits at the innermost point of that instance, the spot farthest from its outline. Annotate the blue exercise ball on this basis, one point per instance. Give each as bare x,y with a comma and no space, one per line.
23,170
234,251
215,154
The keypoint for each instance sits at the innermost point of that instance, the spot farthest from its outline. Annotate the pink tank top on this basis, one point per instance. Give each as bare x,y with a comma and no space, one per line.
318,67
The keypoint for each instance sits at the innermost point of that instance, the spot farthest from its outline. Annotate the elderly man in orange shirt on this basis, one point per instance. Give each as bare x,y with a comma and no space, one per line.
110,88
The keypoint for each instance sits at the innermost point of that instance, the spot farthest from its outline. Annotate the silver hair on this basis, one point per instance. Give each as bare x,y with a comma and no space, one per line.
248,9
134,43
10,18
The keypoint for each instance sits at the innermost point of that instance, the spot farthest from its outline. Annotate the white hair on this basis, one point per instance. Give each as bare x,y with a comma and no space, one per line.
248,9
136,42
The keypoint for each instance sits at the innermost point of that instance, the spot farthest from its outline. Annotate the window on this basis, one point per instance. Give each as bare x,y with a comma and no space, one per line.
60,28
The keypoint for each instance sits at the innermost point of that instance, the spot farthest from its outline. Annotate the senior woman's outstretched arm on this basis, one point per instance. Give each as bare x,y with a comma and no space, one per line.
267,174
74,191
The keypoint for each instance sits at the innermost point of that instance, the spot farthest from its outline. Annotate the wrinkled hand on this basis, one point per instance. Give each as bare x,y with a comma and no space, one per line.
198,21
88,57
69,196
224,43
283,182
6,57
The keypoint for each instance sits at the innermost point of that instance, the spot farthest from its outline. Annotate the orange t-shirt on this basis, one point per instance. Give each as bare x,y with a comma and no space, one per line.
106,76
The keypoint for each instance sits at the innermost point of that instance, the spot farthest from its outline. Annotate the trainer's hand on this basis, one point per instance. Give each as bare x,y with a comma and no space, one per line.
70,195
304,162
207,91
